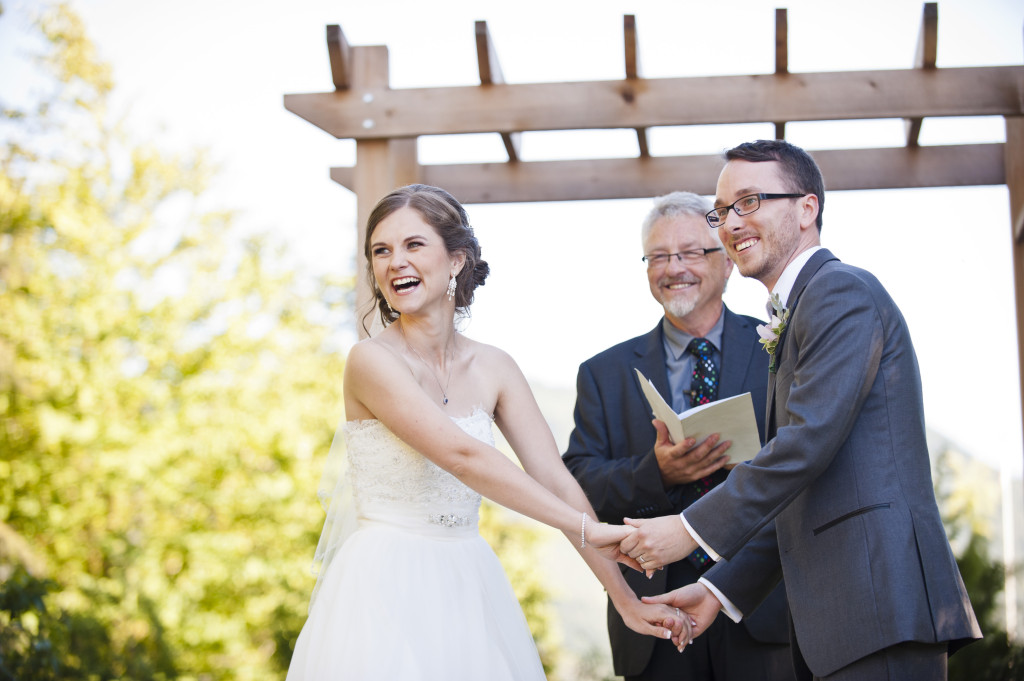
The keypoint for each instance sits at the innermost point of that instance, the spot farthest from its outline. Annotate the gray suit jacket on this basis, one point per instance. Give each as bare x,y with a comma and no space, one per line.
611,453
847,479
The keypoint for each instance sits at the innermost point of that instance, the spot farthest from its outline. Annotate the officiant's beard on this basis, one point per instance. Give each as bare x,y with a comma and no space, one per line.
679,308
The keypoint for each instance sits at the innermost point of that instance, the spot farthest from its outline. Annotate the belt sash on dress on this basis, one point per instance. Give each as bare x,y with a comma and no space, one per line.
438,523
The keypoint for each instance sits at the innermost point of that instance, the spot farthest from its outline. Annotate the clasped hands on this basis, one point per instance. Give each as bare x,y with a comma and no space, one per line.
647,545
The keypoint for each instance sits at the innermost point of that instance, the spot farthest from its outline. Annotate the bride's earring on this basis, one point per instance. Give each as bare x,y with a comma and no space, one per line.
451,288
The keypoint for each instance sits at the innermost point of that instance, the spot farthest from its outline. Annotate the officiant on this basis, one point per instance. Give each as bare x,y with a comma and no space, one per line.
700,351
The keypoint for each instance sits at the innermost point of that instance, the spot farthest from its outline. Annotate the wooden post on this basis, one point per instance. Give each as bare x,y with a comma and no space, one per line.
491,74
1014,159
781,58
633,74
381,165
927,48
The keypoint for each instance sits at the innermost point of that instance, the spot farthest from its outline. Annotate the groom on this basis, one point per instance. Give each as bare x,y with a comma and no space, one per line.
873,588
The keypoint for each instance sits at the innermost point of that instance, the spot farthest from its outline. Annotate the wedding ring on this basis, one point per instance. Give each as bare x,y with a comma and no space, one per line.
640,558
677,612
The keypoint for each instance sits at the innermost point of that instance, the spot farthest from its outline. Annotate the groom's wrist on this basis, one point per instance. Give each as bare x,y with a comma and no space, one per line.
725,605
697,541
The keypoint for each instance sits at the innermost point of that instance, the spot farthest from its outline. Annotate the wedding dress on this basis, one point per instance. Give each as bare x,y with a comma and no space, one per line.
414,593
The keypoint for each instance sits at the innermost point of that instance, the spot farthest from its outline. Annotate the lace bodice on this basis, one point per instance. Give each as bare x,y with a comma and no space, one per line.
386,472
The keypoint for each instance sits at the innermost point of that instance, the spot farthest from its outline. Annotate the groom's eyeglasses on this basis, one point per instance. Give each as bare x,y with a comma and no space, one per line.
690,257
745,205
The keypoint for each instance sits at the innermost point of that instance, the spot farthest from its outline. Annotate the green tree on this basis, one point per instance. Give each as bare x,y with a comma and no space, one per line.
995,657
164,387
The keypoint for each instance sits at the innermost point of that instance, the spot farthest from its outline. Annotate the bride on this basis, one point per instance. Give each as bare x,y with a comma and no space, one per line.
414,592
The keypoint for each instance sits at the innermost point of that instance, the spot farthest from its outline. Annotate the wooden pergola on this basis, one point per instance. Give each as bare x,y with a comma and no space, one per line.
386,123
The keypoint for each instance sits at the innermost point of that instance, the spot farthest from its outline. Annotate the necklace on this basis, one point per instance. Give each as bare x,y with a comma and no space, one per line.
451,362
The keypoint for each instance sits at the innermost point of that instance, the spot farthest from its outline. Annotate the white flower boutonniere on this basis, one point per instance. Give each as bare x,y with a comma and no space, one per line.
772,331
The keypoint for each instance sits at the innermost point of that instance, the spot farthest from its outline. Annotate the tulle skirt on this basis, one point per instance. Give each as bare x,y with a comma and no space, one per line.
416,604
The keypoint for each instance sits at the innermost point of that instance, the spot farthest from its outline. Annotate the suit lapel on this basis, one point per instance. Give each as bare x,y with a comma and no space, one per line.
809,269
649,352
806,272
734,365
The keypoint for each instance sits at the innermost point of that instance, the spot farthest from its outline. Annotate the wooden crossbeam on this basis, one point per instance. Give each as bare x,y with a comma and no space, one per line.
927,50
633,178
491,74
340,56
632,55
781,58
974,91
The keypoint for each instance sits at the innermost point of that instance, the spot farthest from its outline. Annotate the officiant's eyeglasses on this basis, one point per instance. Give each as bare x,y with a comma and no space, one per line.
745,205
690,257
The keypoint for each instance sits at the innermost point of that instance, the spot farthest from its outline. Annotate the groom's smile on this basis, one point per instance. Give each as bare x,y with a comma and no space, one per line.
745,244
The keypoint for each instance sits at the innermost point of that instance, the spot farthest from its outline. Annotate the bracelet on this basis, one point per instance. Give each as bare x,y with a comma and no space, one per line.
583,531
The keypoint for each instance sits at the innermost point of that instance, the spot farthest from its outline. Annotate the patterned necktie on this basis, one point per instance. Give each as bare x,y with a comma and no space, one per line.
704,386
703,389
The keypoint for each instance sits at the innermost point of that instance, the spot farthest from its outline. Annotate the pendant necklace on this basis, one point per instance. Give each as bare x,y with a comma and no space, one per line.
451,362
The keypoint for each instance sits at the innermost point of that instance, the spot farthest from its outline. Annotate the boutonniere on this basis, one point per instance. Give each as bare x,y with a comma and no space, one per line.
772,331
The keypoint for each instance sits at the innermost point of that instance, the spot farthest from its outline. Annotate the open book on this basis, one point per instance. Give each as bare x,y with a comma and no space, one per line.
732,417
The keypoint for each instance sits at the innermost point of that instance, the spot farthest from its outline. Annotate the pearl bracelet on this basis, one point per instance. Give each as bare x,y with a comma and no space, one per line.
583,531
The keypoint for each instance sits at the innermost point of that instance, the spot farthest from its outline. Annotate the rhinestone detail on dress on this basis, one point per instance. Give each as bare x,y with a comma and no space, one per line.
448,519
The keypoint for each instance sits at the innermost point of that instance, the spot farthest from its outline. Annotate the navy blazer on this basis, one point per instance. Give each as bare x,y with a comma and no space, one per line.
847,479
611,454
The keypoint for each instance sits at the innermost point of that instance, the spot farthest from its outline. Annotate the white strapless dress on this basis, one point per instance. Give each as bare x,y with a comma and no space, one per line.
414,593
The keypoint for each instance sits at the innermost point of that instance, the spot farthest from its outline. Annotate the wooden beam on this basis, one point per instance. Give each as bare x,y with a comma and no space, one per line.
781,58
491,74
632,178
340,56
927,49
632,55
845,95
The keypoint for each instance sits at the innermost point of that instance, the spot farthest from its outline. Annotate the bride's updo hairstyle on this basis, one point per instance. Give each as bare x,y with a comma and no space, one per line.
440,210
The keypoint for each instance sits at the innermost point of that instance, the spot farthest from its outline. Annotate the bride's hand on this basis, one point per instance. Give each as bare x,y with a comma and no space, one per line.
603,535
662,621
606,539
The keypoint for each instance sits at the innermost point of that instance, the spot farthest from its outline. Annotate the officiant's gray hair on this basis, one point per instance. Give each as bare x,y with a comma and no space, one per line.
676,204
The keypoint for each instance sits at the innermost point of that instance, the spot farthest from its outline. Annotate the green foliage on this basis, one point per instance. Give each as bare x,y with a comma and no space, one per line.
28,631
165,386
995,657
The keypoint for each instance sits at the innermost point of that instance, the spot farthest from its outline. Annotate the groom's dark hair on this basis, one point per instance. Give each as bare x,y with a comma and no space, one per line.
799,170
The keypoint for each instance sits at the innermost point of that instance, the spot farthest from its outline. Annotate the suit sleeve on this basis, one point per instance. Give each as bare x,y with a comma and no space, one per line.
620,483
751,575
833,354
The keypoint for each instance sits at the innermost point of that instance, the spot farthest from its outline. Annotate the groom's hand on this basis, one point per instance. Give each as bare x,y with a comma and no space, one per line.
657,541
697,602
